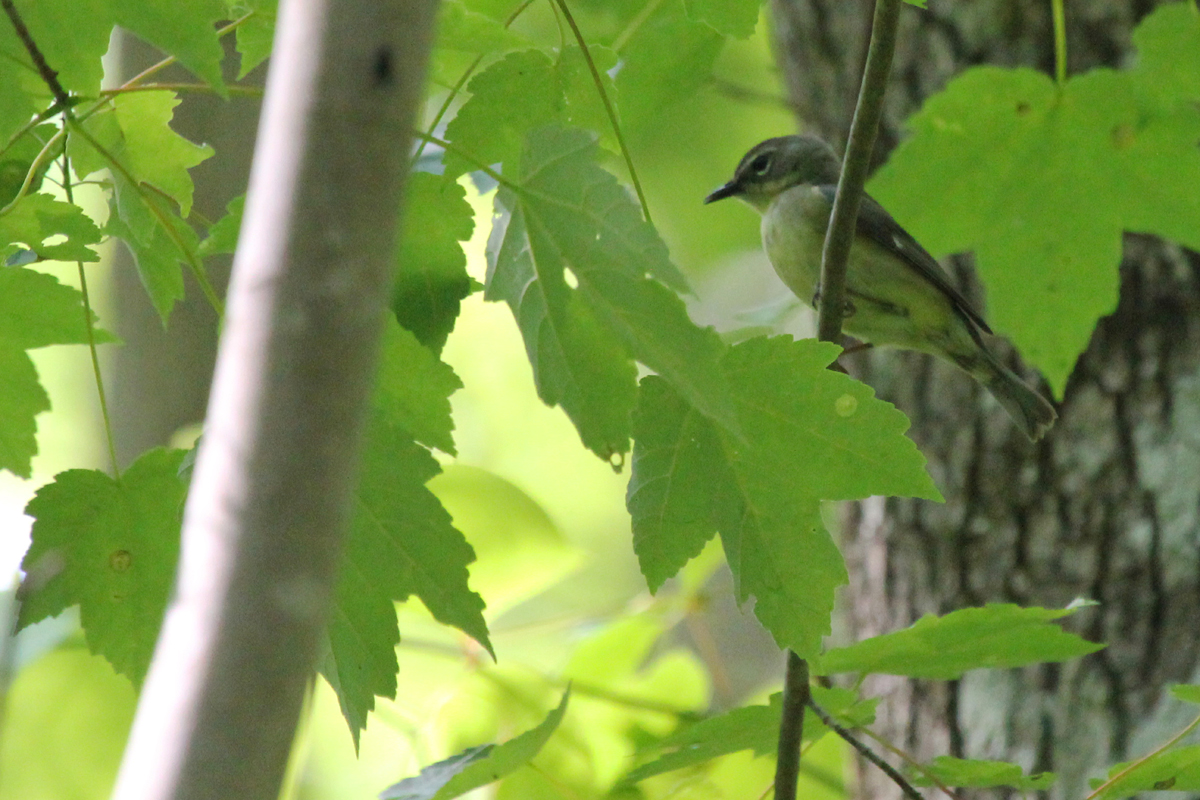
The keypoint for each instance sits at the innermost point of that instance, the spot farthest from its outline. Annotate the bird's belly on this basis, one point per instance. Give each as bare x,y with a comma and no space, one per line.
889,303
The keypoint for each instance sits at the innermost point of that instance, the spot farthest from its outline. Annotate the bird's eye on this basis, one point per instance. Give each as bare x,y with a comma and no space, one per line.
760,164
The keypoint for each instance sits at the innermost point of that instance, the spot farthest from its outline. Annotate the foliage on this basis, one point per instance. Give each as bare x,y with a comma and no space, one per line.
1051,274
744,441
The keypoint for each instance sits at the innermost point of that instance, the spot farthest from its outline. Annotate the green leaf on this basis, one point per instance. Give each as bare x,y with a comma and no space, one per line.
155,162
1001,161
18,158
1188,693
810,435
159,247
730,17
256,35
223,235
38,217
35,311
996,636
460,28
72,36
754,727
110,548
431,278
975,774
521,92
584,275
436,775
401,543
145,144
1177,769
516,94
187,31
477,767
413,388
21,401
667,58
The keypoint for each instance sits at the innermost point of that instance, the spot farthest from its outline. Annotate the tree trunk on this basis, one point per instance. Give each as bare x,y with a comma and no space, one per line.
272,491
1105,507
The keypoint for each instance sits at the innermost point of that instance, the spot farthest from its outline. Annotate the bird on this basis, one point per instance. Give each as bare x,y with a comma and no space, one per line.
896,293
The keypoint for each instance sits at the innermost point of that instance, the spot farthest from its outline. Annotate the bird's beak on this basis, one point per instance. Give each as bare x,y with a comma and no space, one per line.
730,189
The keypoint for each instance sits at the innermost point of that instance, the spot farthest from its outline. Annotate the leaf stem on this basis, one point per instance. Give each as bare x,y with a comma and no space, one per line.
870,755
41,158
1173,741
1060,41
796,694
91,335
608,107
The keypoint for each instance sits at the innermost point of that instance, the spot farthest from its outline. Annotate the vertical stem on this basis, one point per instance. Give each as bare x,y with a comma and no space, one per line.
791,726
834,261
1060,41
91,334
842,221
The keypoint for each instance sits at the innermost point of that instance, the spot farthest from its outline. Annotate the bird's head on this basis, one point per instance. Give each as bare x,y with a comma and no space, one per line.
779,164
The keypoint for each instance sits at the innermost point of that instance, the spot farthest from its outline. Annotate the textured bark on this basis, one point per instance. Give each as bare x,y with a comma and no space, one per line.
1106,507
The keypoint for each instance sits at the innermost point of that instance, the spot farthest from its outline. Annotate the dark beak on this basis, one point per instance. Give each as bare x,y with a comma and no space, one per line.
730,189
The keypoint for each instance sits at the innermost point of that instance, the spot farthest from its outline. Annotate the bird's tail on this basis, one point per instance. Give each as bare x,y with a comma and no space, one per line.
1033,413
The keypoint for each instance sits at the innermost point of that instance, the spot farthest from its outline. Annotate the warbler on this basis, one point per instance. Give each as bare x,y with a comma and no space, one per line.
896,293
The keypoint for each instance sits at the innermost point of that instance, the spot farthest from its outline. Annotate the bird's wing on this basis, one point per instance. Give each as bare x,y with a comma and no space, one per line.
879,226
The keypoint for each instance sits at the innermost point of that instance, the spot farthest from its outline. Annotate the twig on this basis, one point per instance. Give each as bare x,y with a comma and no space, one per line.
854,169
866,752
48,75
796,695
834,260
912,762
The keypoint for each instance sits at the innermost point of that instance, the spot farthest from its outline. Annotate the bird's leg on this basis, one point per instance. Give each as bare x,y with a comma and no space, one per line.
848,308
857,347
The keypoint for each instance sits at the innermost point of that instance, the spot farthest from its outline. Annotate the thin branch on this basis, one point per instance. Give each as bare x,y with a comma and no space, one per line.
912,762
48,75
796,694
835,258
866,752
867,114
608,107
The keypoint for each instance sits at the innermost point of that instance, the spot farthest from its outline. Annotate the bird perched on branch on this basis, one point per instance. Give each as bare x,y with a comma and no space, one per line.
896,293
